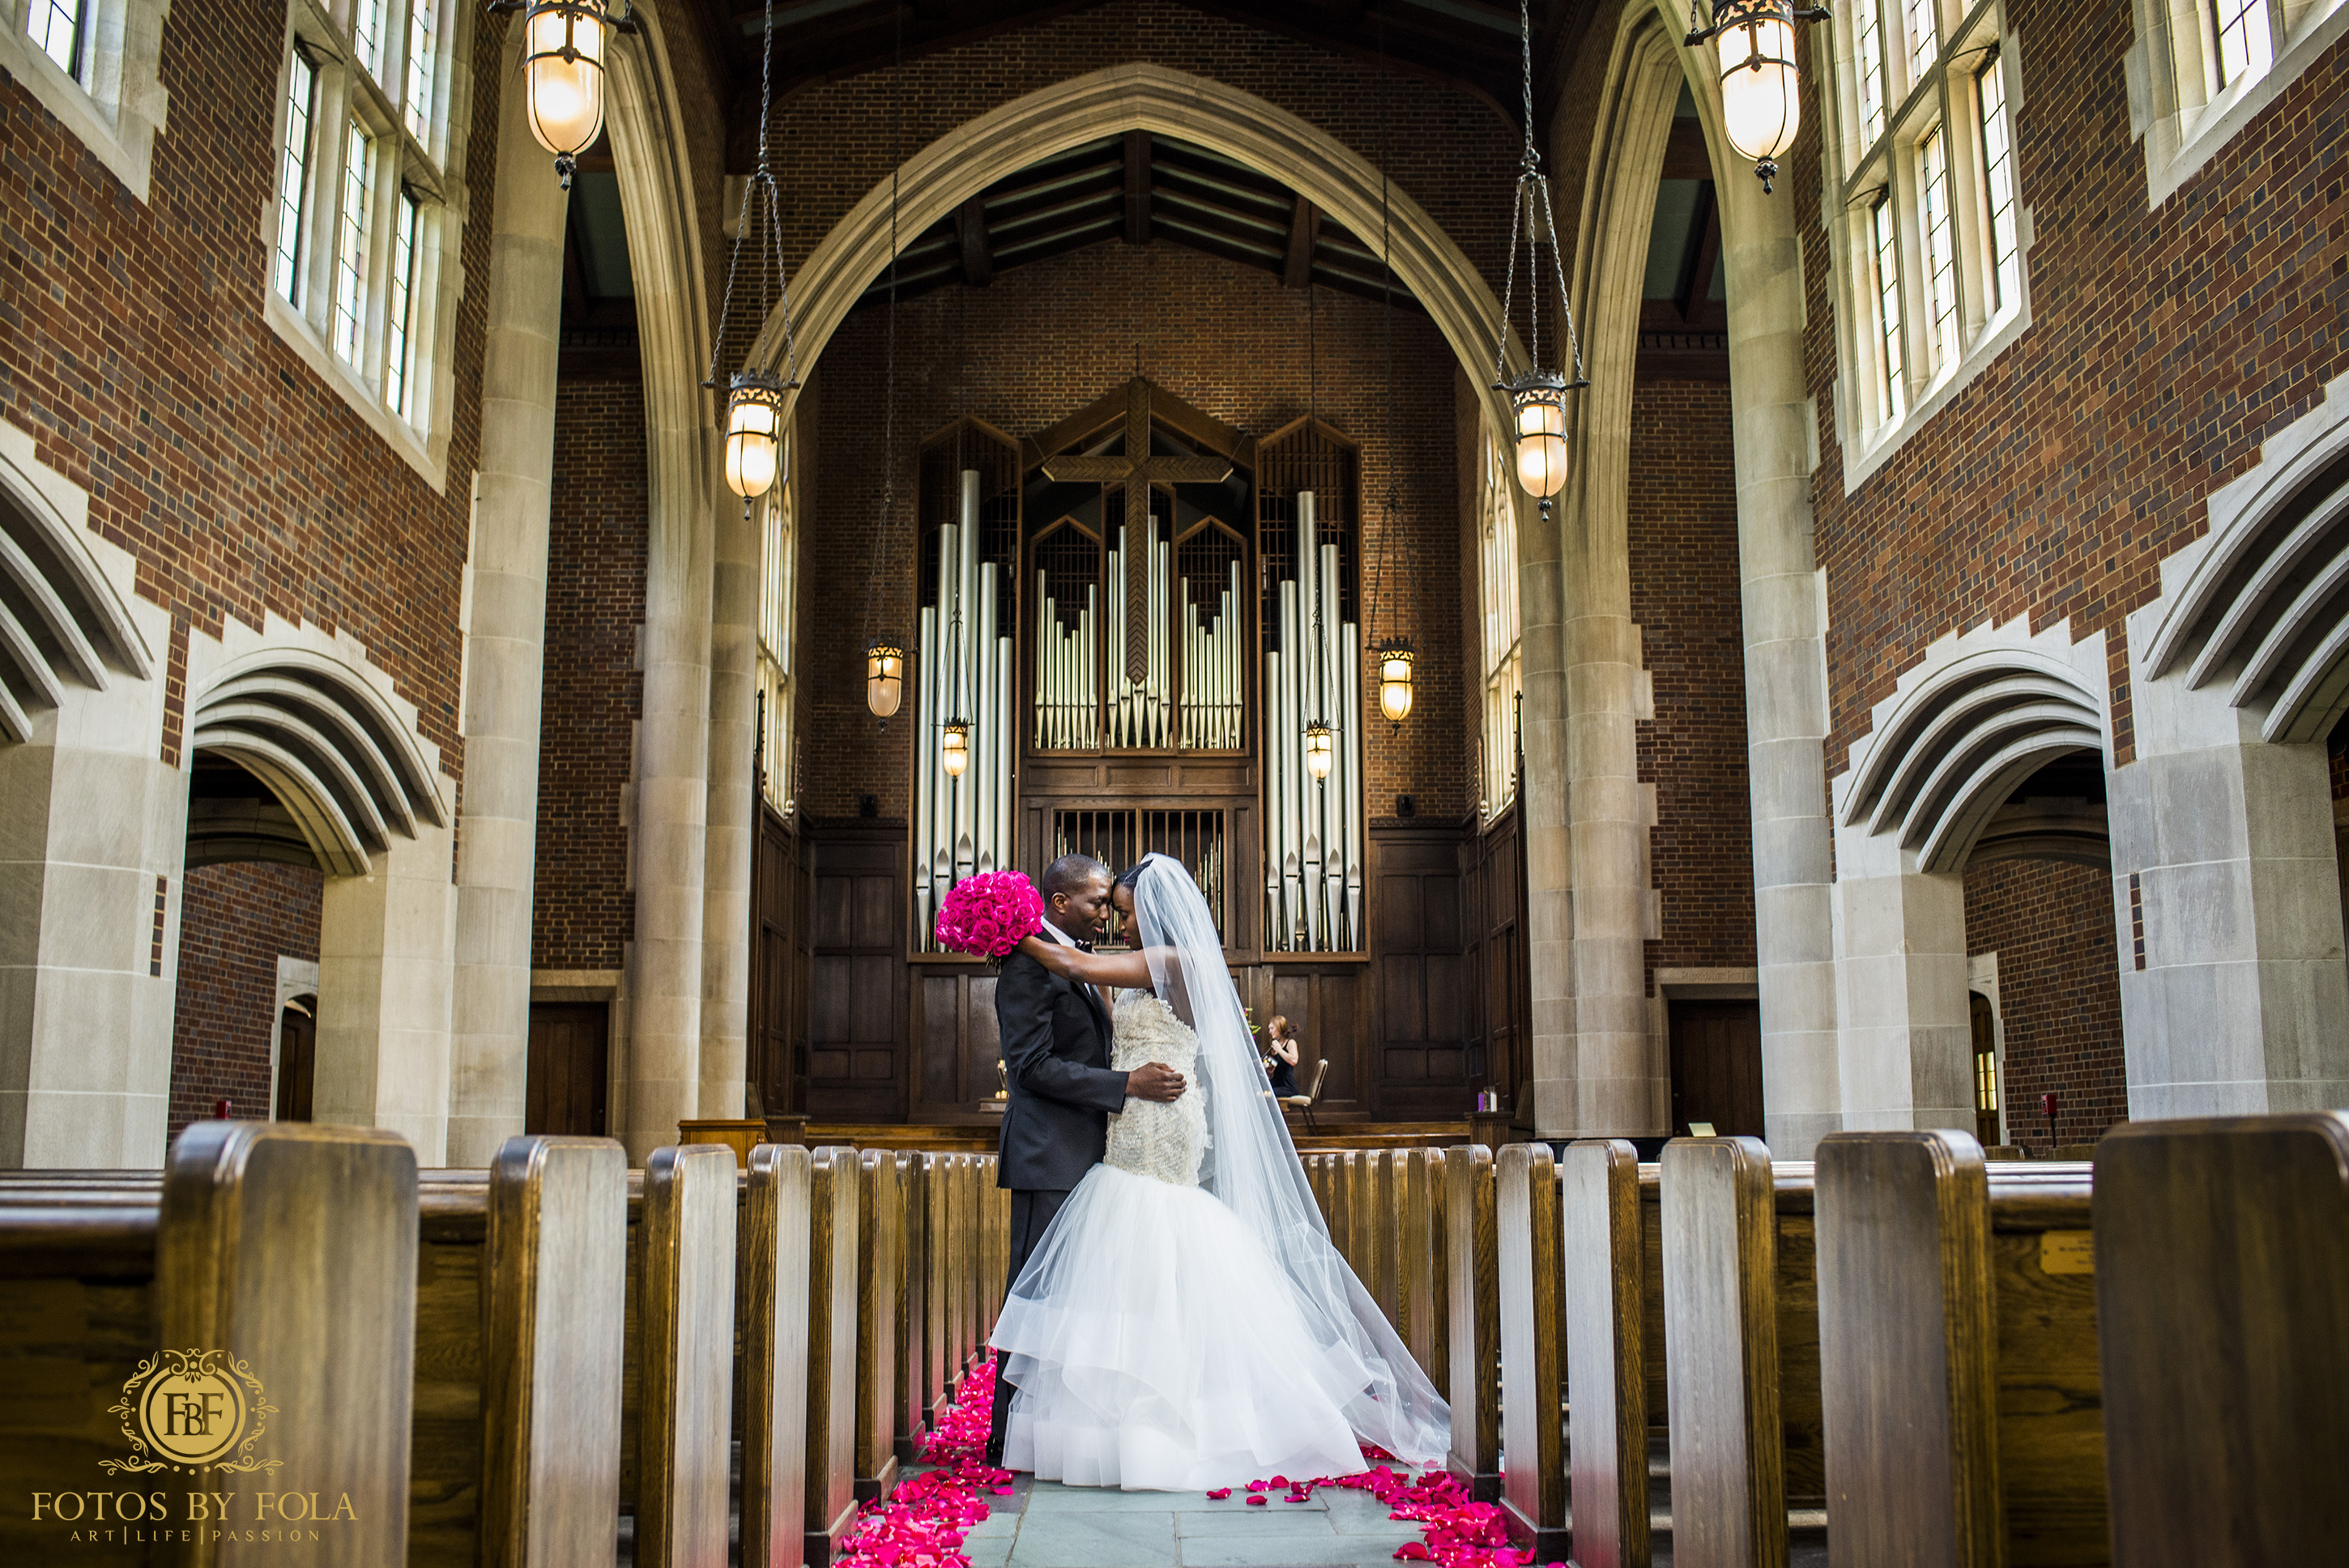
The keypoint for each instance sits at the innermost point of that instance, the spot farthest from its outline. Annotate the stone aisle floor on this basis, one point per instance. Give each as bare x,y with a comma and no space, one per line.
1046,1525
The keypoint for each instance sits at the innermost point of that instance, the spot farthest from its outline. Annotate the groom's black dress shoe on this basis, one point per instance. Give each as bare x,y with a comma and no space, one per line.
995,1452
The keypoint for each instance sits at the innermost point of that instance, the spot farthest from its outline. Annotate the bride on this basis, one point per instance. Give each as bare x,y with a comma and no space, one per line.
1184,1323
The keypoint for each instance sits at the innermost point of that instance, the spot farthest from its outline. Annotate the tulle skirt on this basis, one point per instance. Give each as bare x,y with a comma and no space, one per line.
1157,1346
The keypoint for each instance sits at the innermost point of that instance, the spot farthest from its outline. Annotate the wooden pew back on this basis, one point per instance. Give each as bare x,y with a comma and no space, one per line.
1603,1316
775,1352
1533,1364
2223,1273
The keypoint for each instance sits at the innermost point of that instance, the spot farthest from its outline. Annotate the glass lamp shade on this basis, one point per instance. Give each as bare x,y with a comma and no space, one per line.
1761,87
1319,751
562,73
884,679
754,422
954,750
1541,441
1394,682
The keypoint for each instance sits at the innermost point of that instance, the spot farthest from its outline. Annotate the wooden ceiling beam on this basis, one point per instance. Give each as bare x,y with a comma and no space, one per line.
971,230
1137,188
1304,225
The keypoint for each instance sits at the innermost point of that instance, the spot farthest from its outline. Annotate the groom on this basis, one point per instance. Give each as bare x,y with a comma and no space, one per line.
1056,1044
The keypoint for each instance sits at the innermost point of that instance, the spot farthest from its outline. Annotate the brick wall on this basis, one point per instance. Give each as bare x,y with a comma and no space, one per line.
832,142
2059,992
136,353
1685,598
584,912
235,921
1042,342
2166,345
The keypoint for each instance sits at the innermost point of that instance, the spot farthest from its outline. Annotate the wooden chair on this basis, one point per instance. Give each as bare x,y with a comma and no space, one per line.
1304,1103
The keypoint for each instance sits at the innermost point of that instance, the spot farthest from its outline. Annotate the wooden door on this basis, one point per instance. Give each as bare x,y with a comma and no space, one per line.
570,1065
1985,1031
1717,1066
297,1064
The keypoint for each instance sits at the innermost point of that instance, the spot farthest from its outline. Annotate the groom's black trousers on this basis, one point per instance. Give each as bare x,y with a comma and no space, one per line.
1032,1217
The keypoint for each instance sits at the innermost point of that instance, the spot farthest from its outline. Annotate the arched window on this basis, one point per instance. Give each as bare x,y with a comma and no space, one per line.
1496,602
778,602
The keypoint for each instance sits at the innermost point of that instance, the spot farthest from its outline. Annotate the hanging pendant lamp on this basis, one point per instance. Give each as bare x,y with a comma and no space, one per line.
885,658
1393,652
1537,397
564,43
1760,84
757,454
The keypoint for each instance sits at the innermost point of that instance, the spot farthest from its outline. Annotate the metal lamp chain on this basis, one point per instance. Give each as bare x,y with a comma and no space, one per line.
889,400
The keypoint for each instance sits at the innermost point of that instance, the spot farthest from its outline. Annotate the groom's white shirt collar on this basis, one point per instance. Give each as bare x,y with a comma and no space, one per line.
1062,937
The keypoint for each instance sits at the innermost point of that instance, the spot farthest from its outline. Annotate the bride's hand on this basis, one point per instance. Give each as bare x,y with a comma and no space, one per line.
1051,954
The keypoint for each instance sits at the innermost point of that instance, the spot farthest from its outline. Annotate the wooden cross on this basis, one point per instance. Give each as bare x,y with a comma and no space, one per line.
1138,471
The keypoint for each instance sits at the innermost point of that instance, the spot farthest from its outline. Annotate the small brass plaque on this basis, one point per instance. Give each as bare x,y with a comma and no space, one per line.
2067,1253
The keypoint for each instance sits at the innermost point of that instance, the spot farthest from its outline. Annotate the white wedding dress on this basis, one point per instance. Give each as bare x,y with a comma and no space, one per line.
1169,1353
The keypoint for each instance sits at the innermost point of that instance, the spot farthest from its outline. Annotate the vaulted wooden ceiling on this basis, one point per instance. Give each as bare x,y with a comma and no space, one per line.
1139,188
1471,43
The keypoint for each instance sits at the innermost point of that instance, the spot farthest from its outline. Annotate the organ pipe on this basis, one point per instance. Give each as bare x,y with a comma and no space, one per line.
961,826
1313,863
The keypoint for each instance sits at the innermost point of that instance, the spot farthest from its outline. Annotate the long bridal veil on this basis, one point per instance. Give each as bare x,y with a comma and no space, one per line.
1252,1166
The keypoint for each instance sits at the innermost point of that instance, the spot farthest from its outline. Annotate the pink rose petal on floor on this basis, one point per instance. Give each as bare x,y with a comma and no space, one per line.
1256,1501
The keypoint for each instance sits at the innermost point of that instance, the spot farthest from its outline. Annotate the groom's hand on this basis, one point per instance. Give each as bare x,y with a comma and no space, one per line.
1154,1080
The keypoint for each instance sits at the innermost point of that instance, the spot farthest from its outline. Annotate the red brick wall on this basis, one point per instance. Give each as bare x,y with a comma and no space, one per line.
2166,345
583,912
2059,993
1685,597
136,352
235,921
1047,339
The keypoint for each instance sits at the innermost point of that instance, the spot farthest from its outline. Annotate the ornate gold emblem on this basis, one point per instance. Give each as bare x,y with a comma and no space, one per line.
186,1409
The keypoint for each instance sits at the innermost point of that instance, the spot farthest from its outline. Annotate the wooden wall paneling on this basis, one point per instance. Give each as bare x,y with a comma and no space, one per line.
857,1067
1426,1284
1533,1367
292,1247
555,1325
833,1250
1602,1307
685,1436
2223,1270
1419,1011
1906,1342
912,1326
775,1360
879,1264
1498,982
1720,1320
1471,1263
778,938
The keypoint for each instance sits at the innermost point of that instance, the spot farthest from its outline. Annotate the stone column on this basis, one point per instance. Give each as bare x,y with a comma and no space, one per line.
386,988
726,891
1785,660
93,825
2242,1006
1906,1059
505,650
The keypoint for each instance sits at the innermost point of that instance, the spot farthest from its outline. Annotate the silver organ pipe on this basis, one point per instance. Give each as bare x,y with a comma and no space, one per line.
1067,716
961,826
1313,864
1211,651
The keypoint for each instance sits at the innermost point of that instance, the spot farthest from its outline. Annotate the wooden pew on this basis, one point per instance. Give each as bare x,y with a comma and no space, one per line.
1533,1366
2222,1281
1602,1311
685,1429
830,1504
956,1179
881,1221
1958,1355
912,1373
1471,1280
1424,1283
772,1376
292,1249
1721,1319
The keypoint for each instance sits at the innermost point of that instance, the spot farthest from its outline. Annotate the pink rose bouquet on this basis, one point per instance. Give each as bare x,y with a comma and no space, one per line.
986,915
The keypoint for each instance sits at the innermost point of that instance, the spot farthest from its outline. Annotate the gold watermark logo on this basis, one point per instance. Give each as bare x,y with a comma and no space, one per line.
185,1409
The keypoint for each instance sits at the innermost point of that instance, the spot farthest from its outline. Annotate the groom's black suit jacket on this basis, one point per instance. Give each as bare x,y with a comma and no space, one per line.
1056,1042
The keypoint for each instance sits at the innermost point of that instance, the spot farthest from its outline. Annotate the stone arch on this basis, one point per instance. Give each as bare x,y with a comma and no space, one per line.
1951,745
335,750
1140,95
2261,603
61,618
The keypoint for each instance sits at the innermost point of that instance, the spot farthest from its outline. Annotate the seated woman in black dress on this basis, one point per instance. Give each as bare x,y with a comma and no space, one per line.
1281,1055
